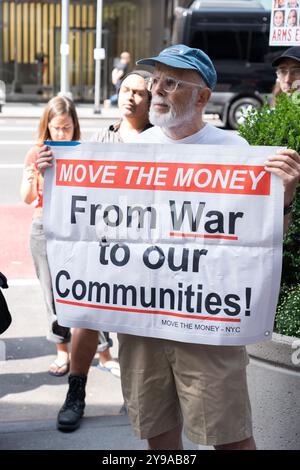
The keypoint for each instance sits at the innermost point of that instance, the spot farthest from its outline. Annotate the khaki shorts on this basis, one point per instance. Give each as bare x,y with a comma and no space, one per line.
166,382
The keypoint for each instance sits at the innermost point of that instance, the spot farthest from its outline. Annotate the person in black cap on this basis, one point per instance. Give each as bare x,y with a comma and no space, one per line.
288,69
167,383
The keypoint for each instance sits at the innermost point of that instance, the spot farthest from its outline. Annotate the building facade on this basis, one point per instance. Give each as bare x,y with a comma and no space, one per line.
30,35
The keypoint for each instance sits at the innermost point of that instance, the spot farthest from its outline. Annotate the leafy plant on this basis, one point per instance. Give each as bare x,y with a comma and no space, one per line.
280,126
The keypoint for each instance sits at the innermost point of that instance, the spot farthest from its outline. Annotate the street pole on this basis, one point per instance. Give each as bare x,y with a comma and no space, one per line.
64,50
99,54
16,85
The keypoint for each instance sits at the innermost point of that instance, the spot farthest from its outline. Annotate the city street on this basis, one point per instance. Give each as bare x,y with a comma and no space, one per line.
30,397
17,135
218,62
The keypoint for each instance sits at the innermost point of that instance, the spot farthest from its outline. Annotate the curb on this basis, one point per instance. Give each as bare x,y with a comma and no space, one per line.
278,351
94,422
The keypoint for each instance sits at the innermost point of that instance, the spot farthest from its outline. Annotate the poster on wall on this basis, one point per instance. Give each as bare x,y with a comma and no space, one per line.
285,23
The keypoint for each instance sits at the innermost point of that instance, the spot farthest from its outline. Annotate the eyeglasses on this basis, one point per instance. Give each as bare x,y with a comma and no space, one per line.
294,72
168,84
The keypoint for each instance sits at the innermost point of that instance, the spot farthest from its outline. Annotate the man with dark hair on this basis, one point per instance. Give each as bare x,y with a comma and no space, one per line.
167,383
133,103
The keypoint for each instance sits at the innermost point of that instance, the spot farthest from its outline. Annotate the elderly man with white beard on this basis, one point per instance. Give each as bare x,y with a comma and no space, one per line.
167,383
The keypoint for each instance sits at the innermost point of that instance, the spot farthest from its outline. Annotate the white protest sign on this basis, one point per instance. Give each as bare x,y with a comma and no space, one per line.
285,23
181,242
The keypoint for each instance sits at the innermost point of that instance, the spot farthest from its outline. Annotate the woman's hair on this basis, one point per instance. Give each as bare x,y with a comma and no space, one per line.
58,106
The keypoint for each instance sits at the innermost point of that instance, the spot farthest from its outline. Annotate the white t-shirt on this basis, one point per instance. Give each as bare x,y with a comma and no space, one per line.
208,135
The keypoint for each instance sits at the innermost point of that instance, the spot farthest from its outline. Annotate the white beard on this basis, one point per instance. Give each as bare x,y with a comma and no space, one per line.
168,119
174,117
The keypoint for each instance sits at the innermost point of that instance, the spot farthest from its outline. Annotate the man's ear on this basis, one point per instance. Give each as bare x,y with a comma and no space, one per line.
204,96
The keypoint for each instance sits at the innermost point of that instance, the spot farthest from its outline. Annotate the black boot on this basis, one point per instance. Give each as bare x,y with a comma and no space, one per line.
68,418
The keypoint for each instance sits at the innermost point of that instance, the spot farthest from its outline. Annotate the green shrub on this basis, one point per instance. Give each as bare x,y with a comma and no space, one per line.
287,320
280,126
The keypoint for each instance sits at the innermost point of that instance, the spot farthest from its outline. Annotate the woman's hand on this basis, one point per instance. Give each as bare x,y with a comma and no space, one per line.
45,158
30,173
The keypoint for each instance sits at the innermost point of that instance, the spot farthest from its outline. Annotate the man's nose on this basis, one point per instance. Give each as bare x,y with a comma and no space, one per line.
130,94
158,88
289,76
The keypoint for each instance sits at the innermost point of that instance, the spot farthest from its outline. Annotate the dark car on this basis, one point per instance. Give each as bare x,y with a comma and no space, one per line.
235,34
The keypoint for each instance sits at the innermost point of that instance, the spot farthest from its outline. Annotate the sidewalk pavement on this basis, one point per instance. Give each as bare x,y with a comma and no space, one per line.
31,398
34,110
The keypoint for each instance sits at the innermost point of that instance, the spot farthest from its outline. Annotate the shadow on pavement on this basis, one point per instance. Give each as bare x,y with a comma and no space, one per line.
23,382
27,347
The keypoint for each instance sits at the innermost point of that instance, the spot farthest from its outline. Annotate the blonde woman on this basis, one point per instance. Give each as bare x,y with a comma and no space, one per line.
58,122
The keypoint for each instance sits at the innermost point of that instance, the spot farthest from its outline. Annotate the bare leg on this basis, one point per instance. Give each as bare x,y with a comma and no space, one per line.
62,351
170,440
105,356
84,346
247,444
111,364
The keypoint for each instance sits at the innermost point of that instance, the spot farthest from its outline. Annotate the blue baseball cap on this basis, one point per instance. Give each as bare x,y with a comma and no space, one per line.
184,57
